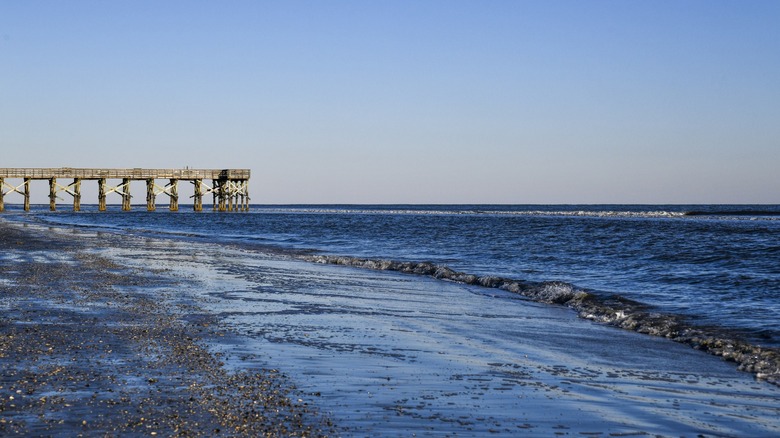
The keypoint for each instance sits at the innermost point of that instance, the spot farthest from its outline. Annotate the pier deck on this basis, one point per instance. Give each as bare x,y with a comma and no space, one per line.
229,187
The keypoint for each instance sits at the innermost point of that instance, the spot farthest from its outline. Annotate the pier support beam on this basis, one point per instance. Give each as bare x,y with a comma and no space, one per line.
197,204
230,196
101,194
73,189
53,194
171,189
27,194
173,192
246,194
214,189
14,189
237,193
76,194
150,195
222,195
126,194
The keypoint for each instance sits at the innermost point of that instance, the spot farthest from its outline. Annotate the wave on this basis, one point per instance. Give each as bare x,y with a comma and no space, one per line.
732,213
651,214
613,310
473,212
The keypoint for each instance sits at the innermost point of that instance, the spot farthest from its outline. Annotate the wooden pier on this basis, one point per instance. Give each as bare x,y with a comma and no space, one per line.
229,187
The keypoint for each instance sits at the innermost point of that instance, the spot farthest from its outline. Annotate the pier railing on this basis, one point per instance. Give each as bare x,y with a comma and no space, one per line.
229,187
134,173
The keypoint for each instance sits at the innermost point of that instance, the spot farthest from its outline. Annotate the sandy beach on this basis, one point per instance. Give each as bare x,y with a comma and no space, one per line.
92,348
104,333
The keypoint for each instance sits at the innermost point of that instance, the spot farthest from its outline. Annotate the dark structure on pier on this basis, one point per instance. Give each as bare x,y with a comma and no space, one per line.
229,187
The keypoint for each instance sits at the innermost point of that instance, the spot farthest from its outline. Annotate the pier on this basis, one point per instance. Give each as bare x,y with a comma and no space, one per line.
229,187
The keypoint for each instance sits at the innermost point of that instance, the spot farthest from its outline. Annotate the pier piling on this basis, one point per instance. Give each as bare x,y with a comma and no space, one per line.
126,198
174,194
101,194
150,195
27,194
53,194
198,195
76,194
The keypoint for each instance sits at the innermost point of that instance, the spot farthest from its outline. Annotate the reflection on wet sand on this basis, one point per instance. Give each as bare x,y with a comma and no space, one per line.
385,353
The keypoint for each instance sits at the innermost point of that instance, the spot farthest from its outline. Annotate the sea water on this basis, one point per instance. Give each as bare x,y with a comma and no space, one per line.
719,266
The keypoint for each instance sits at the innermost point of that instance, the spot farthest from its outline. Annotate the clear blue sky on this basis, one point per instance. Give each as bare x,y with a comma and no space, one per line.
405,101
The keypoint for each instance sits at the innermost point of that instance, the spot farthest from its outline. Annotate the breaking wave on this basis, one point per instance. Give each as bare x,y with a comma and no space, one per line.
753,214
473,212
613,310
760,213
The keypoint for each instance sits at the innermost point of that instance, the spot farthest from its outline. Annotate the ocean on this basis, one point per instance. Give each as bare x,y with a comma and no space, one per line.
385,352
715,265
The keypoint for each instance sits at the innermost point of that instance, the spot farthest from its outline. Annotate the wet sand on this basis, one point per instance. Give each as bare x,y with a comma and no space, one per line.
189,327
89,347
391,354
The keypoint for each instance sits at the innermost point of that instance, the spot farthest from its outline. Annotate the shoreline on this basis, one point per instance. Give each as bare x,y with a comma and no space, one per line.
619,312
91,347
